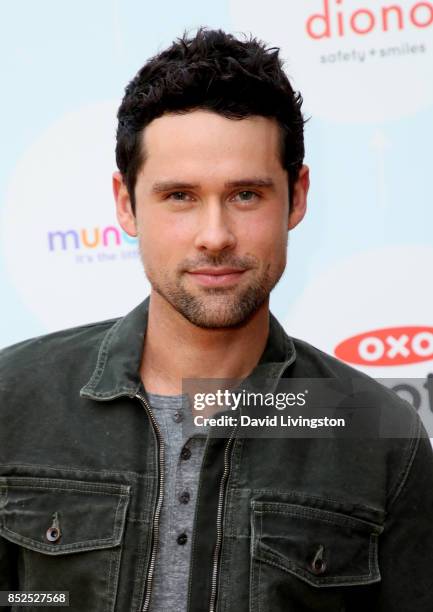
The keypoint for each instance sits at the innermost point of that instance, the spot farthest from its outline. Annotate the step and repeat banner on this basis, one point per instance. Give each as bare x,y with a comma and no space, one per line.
359,279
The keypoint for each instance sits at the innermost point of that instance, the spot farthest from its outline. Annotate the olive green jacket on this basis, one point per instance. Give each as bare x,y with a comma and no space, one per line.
284,524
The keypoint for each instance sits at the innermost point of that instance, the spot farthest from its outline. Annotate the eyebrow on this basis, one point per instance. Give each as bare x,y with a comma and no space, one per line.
162,186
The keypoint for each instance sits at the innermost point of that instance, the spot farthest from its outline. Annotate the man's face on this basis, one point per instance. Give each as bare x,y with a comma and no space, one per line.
212,214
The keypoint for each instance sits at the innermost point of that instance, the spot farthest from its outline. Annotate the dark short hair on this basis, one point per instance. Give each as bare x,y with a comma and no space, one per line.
215,71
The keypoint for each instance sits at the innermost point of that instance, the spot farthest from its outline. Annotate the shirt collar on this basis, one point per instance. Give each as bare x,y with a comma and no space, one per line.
117,369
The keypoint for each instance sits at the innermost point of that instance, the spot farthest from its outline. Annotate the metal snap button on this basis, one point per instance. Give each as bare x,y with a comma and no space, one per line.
53,534
318,564
177,416
182,538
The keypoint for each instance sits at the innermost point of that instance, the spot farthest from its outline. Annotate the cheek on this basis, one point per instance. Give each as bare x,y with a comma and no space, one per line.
265,237
163,239
159,223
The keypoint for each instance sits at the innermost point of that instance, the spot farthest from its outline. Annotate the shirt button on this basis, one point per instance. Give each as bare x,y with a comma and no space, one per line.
184,497
177,416
182,538
185,453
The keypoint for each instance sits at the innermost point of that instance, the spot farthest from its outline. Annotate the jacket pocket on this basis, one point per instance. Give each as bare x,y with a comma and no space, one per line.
298,550
68,534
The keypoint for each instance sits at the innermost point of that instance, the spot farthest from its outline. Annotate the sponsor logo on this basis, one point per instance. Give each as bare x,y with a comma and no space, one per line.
411,390
71,243
89,239
335,20
388,347
387,42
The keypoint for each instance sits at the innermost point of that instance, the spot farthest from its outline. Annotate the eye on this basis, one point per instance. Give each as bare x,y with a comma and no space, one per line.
246,196
179,196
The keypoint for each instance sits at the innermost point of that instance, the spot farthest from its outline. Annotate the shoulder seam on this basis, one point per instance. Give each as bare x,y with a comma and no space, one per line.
68,331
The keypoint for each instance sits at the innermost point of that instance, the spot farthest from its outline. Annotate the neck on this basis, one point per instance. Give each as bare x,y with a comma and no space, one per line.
175,349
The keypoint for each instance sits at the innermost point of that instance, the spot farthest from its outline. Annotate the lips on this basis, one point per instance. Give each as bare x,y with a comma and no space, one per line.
217,271
216,277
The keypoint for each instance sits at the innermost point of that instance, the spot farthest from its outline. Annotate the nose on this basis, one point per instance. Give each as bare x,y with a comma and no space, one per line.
214,232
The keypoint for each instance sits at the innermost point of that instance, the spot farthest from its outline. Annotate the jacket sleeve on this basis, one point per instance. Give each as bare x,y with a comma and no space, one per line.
406,544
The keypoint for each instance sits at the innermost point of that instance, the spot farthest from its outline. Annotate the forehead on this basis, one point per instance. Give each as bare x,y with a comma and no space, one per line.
202,139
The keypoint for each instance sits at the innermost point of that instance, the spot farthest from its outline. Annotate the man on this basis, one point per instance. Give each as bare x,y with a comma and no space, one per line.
102,491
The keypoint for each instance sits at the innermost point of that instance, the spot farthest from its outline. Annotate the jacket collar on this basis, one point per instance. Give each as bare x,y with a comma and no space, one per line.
117,366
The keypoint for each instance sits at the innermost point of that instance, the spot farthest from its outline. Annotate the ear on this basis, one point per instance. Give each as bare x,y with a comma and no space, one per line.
124,212
299,201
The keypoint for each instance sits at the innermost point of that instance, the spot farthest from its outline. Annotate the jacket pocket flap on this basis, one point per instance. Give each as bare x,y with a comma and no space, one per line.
323,548
57,516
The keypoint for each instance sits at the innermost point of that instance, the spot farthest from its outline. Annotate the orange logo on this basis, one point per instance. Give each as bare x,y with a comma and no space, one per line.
388,347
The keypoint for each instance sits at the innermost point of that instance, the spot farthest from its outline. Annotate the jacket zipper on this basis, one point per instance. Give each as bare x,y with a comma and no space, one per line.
155,522
218,543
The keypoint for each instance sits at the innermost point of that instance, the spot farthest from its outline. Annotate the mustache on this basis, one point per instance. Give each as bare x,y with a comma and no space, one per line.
219,260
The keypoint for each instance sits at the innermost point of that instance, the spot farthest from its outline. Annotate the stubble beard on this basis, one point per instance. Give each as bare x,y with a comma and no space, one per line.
216,307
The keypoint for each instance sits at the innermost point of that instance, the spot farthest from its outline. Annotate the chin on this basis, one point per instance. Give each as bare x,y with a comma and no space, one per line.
220,316
216,308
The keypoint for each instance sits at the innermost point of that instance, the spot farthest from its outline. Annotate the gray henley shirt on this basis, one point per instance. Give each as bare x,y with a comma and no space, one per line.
184,450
